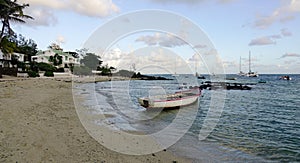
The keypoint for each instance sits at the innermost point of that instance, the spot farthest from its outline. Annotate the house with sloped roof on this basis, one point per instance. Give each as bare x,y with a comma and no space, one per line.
45,57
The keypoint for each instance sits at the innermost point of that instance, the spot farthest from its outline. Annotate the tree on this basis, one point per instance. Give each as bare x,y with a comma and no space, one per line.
27,47
91,61
20,45
81,52
7,46
55,46
14,60
11,11
56,59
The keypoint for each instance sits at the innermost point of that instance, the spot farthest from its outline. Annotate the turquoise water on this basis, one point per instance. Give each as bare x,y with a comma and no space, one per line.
262,124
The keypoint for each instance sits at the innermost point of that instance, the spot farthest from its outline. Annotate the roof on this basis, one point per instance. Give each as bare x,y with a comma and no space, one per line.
59,52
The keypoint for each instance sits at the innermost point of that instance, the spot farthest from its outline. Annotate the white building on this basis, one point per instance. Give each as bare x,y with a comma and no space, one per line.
44,56
20,57
5,59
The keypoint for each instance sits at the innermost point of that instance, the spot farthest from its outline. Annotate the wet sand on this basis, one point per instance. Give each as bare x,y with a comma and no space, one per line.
39,124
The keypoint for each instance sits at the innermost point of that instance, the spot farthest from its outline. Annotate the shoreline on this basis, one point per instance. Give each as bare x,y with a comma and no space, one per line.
39,124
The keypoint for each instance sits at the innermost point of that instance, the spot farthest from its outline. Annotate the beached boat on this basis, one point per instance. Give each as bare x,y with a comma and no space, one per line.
181,98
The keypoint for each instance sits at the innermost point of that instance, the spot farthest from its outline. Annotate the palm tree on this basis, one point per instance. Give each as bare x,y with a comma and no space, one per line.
11,11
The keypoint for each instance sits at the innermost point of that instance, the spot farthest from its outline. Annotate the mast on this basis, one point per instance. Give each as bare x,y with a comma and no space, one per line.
240,64
249,61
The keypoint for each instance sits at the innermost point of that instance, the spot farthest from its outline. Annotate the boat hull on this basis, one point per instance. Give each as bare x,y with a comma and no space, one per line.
169,101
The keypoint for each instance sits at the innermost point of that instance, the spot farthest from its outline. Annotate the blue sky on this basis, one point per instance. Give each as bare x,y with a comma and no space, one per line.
267,28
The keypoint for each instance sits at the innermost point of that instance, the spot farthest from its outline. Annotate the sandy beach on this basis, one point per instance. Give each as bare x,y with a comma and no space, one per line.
39,124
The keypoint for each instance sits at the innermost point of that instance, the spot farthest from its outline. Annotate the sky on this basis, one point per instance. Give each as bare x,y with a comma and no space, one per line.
269,29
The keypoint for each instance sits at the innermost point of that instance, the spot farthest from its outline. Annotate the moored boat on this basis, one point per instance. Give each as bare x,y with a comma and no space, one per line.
181,98
285,77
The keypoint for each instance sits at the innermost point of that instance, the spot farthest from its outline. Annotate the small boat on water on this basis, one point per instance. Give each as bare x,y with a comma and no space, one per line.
251,73
180,98
230,78
286,77
199,76
262,81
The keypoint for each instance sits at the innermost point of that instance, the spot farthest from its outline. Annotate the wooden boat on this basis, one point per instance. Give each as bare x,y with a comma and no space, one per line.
181,98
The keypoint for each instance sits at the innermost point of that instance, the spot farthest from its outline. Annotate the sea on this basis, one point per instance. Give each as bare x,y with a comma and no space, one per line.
257,125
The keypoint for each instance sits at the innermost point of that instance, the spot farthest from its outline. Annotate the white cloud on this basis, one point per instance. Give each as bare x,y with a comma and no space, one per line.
165,40
282,14
290,55
60,40
200,46
262,41
42,10
195,58
42,17
93,8
226,1
178,1
211,52
286,33
190,2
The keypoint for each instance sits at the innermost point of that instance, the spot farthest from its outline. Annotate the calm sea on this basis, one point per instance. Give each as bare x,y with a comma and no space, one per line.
262,124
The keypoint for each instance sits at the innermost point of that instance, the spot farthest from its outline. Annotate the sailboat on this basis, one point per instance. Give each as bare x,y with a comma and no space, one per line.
241,73
250,73
196,72
175,74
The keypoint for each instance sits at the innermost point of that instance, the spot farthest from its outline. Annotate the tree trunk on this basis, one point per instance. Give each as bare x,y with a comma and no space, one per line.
2,32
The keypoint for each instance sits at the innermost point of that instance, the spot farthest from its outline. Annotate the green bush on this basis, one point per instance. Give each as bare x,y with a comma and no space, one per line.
60,70
49,74
33,74
45,67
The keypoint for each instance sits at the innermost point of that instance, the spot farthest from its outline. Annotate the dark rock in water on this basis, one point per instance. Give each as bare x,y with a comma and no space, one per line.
225,85
131,74
146,77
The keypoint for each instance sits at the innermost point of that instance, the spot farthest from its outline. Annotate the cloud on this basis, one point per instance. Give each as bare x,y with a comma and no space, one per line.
286,33
60,40
178,1
290,55
282,14
93,8
262,41
195,58
165,40
227,64
275,36
42,17
200,46
266,40
190,2
226,1
42,11
211,52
